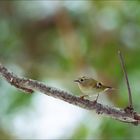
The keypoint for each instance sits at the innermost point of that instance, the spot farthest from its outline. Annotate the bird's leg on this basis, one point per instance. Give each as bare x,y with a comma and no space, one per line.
82,97
97,98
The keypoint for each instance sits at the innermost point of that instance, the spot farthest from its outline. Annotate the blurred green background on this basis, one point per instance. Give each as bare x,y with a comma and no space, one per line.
55,42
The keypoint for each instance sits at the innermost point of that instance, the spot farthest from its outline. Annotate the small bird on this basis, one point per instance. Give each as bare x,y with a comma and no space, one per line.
89,86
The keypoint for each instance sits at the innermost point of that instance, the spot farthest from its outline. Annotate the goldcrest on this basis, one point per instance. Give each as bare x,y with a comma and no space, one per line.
90,86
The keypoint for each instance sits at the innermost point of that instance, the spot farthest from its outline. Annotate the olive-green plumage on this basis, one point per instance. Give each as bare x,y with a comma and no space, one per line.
89,86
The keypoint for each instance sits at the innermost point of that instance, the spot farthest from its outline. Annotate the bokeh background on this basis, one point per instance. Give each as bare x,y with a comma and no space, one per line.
56,42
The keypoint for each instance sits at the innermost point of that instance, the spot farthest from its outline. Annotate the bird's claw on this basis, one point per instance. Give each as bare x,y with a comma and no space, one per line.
82,97
95,101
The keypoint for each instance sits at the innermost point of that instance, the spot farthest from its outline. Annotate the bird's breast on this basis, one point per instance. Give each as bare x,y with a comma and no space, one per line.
89,90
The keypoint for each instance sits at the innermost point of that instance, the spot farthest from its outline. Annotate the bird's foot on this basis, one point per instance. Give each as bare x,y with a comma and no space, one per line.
83,96
95,101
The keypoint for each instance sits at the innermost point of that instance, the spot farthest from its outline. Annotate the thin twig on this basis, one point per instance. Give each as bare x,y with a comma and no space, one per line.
126,78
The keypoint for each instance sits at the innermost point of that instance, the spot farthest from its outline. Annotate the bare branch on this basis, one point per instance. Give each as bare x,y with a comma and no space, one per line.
126,78
30,85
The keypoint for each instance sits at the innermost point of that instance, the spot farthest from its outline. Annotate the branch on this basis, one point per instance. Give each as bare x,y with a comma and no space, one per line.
29,85
126,78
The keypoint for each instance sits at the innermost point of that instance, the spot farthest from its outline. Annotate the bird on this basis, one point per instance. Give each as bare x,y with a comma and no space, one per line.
90,86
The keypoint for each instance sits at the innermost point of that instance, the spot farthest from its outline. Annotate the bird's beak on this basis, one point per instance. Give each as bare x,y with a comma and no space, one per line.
76,80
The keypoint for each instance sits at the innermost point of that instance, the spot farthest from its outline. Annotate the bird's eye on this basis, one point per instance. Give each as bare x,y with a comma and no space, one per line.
82,80
99,85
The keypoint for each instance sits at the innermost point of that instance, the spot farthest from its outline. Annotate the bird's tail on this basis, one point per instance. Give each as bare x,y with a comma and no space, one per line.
110,89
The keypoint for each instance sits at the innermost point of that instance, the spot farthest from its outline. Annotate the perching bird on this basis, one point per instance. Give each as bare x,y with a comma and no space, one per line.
89,86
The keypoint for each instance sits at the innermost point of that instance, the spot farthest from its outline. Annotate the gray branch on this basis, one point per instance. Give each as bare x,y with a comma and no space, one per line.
29,86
